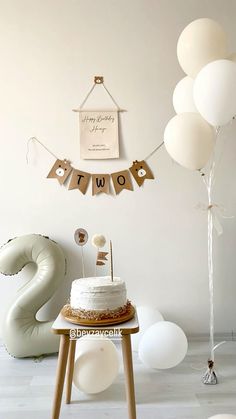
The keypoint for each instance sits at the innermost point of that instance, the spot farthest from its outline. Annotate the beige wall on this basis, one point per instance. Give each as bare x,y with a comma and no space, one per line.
49,52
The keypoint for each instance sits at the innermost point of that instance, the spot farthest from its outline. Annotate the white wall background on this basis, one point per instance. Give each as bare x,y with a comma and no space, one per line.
49,52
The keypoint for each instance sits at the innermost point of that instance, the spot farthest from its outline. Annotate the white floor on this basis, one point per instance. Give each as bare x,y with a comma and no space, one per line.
26,389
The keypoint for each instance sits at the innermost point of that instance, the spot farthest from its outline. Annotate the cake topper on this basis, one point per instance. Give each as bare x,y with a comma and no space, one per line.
111,261
81,238
98,241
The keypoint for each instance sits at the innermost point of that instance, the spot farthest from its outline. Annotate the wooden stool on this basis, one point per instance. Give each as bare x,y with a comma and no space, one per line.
67,354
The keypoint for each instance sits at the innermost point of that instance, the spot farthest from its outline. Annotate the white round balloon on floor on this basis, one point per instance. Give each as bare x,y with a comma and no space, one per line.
96,365
183,96
164,345
201,42
147,316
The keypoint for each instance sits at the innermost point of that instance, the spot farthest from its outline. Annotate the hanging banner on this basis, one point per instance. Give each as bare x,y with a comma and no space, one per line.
141,171
79,180
60,170
121,180
101,183
99,138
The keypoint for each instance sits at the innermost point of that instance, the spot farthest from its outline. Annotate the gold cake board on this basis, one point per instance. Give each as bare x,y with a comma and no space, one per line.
103,322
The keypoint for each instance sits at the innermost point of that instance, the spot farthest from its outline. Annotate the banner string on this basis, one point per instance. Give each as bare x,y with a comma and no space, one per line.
50,152
154,151
28,148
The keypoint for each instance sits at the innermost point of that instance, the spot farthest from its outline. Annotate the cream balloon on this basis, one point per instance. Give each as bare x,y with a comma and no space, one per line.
223,416
147,316
215,92
201,42
189,140
96,365
164,345
183,96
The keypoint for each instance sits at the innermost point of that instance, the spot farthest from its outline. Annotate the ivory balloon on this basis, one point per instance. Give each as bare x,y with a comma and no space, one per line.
201,42
223,416
164,345
146,317
96,365
183,96
215,92
189,140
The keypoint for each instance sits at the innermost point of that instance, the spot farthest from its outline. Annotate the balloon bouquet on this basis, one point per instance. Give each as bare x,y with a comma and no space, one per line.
204,100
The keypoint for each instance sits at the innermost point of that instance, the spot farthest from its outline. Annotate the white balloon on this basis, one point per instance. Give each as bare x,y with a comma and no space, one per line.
189,140
183,96
201,42
146,317
164,345
96,365
223,416
215,92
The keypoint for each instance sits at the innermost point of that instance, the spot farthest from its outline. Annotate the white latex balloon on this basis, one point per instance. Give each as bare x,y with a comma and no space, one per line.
146,317
215,92
223,416
201,42
96,365
189,140
183,96
164,345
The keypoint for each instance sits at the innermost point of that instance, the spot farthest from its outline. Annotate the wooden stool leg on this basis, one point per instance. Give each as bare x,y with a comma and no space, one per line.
61,370
70,370
129,376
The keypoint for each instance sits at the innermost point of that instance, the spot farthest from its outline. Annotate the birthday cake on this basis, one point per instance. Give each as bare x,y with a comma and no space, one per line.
97,300
99,297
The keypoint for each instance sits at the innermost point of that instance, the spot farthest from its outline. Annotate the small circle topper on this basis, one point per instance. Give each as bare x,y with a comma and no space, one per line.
81,236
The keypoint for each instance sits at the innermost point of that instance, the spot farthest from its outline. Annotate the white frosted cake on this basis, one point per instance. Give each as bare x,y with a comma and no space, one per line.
99,297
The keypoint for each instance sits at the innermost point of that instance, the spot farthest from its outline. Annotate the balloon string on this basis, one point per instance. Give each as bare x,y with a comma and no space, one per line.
209,183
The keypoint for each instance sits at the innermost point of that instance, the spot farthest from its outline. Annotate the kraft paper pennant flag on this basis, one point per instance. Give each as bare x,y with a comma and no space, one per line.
121,180
141,171
60,170
101,257
79,180
101,183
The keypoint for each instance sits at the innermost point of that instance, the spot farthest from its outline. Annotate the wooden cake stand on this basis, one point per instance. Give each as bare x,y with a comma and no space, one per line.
103,322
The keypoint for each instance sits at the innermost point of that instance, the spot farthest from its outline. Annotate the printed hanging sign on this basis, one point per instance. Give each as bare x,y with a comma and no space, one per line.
99,137
99,128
